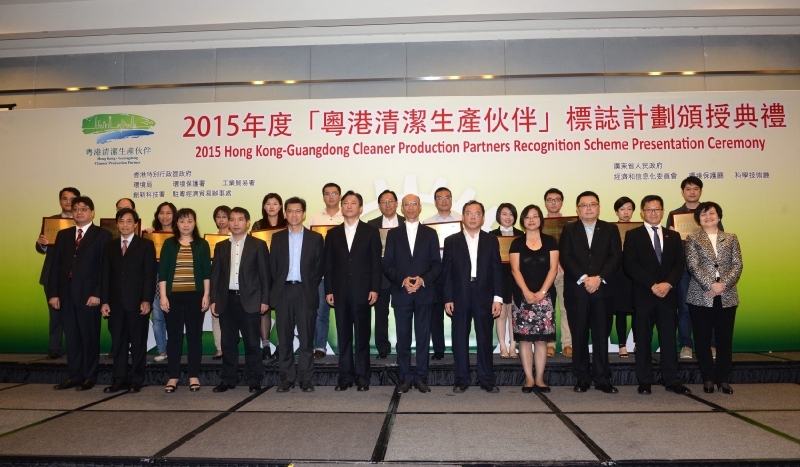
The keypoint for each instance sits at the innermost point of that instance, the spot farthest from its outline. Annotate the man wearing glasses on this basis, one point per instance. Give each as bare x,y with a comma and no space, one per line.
553,200
591,252
443,200
389,219
54,348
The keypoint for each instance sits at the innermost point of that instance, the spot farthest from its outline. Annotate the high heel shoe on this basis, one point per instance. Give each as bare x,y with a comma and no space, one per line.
725,388
708,387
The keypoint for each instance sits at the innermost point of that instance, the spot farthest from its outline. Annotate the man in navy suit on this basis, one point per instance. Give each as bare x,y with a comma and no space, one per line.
473,291
74,289
653,259
412,263
128,284
591,253
352,283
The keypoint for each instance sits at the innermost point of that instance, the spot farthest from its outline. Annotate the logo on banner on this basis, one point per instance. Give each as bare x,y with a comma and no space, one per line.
112,127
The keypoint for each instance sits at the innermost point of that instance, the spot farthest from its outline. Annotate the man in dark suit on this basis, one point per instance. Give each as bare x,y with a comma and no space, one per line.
297,263
653,259
591,252
473,291
352,281
412,263
74,289
128,283
240,281
389,219
56,330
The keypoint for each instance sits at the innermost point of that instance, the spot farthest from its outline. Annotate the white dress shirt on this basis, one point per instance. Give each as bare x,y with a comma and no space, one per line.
652,238
82,231
123,239
236,258
472,246
411,231
509,232
454,216
349,233
390,223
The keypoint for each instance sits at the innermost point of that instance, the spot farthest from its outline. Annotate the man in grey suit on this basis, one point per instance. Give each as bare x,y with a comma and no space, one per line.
296,264
389,219
240,280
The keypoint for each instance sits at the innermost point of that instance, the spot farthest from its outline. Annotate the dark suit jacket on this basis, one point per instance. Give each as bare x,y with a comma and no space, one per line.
398,263
457,269
378,224
48,259
254,275
128,280
312,266
357,270
641,265
85,264
577,259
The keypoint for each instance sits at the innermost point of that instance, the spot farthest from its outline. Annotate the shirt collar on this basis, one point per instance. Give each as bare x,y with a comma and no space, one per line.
128,238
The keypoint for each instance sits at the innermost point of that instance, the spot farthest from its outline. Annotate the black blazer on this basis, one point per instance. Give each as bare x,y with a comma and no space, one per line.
44,276
358,269
254,275
312,266
398,263
457,269
508,279
577,259
641,265
378,224
128,280
85,264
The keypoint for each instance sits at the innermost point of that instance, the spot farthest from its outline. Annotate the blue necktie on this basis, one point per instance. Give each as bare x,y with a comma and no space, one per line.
657,243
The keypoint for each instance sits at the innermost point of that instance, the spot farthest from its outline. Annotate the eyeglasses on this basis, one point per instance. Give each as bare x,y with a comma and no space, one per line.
387,202
83,209
553,200
652,210
411,204
531,218
473,214
440,198
331,193
294,211
588,205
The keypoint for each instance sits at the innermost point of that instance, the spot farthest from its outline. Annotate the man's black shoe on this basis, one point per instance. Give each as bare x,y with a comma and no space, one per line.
581,386
422,386
490,388
84,386
381,356
52,355
606,388
678,388
254,387
460,388
437,356
644,389
342,386
306,386
135,387
116,386
285,386
70,383
362,386
403,387
222,387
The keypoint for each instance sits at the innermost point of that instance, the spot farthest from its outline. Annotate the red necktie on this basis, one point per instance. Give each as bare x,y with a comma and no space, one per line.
124,247
78,240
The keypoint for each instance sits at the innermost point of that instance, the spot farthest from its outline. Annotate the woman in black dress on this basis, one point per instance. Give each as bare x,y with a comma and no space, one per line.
534,265
623,288
504,324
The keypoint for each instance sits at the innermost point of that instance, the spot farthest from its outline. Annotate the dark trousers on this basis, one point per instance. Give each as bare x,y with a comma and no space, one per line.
185,309
621,321
437,328
231,322
418,317
82,333
382,343
353,320
462,323
714,322
590,314
128,330
664,318
295,312
56,330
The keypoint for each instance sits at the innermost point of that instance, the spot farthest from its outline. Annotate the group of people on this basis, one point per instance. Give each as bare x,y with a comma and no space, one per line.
302,274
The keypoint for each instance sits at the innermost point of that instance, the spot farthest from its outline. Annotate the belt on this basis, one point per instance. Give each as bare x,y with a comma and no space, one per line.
234,292
292,282
473,279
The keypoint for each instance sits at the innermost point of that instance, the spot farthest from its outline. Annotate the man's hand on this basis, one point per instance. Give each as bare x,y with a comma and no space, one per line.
213,309
496,308
329,299
448,307
93,301
661,290
105,310
264,308
42,241
592,283
373,297
144,308
55,303
411,284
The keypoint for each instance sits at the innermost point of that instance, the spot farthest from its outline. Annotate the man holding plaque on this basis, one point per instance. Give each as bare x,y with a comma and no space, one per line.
74,289
473,291
443,199
389,219
591,253
691,190
653,259
553,200
54,349
353,271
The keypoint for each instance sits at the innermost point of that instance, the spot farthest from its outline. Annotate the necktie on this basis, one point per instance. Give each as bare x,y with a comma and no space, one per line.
657,243
78,240
124,247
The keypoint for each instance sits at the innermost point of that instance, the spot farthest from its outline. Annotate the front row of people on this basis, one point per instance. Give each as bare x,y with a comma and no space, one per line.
247,279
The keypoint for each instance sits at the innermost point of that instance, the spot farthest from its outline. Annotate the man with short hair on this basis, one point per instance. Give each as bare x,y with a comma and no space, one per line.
56,329
591,252
553,200
473,292
126,203
691,190
74,289
443,199
353,271
412,263
296,262
128,281
331,215
389,219
653,259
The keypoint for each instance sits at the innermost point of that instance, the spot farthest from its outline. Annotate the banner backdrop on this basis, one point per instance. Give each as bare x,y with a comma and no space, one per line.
495,149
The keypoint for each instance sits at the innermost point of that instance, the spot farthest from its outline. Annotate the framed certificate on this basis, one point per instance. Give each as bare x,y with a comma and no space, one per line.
158,238
52,225
110,224
445,229
554,225
266,234
624,227
505,245
684,224
322,229
213,239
